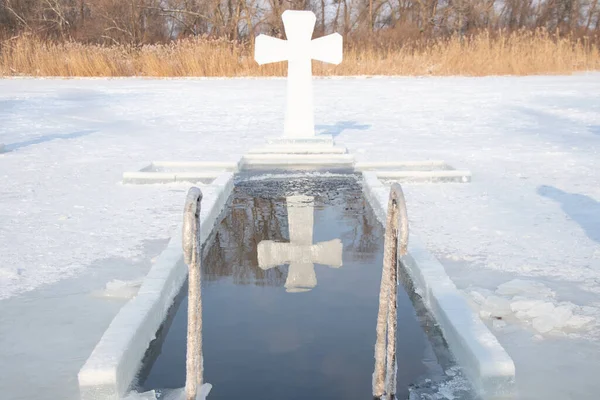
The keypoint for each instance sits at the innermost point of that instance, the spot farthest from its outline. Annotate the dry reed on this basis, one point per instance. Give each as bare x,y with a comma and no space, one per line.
517,53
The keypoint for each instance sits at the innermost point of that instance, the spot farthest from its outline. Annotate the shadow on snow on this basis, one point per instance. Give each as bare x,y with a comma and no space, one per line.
47,138
582,209
339,127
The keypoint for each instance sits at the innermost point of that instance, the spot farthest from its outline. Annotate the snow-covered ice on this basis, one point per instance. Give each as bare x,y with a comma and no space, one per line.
68,227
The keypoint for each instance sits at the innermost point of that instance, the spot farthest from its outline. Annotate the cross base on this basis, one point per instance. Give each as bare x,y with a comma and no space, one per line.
199,172
321,140
287,145
299,158
429,171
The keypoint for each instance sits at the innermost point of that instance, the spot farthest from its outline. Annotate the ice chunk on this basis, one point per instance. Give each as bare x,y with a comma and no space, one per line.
524,305
497,306
524,287
121,289
477,296
549,318
170,394
522,315
204,391
562,315
542,309
544,323
578,321
151,395
588,310
546,315
179,394
498,324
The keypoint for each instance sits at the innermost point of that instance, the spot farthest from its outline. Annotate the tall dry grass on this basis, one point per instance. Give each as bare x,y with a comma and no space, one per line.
517,53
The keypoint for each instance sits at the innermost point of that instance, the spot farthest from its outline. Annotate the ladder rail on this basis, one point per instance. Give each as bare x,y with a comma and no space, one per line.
395,246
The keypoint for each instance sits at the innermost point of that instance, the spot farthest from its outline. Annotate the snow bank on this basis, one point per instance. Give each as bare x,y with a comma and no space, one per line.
530,303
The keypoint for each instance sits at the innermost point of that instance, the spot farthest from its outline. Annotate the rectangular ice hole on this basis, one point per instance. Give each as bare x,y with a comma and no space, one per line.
302,328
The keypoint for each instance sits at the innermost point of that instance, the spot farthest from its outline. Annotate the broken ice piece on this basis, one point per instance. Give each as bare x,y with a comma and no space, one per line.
497,306
544,323
524,305
121,289
562,315
477,297
498,324
542,309
578,321
151,395
521,315
524,287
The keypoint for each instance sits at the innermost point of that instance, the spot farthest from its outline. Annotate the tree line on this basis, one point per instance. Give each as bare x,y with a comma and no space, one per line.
140,22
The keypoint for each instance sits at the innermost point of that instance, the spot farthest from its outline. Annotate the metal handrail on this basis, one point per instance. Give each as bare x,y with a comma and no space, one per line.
395,245
191,253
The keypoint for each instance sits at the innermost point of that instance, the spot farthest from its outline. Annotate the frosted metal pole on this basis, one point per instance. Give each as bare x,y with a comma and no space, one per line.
191,252
395,244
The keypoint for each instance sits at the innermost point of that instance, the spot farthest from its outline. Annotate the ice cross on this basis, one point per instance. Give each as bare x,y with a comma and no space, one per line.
300,253
299,50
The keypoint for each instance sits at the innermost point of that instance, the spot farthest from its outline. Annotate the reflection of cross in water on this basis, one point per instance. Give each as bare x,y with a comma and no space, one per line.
300,253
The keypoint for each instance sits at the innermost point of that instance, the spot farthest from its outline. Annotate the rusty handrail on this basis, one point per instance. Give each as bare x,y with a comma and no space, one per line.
395,245
191,253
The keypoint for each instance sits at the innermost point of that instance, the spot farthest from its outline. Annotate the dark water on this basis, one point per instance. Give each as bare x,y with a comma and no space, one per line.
293,330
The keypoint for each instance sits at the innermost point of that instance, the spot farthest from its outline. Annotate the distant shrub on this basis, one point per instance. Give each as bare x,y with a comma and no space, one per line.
500,53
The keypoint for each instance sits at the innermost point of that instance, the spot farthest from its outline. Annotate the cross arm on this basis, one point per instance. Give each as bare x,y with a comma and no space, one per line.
268,49
328,48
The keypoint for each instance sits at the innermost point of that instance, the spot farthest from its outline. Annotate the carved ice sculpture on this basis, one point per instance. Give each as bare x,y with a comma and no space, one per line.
299,50
300,253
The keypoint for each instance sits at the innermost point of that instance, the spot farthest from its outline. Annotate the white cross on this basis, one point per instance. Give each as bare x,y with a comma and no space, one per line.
298,50
300,253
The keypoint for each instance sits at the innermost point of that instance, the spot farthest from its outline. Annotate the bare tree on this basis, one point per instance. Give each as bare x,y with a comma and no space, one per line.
149,21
